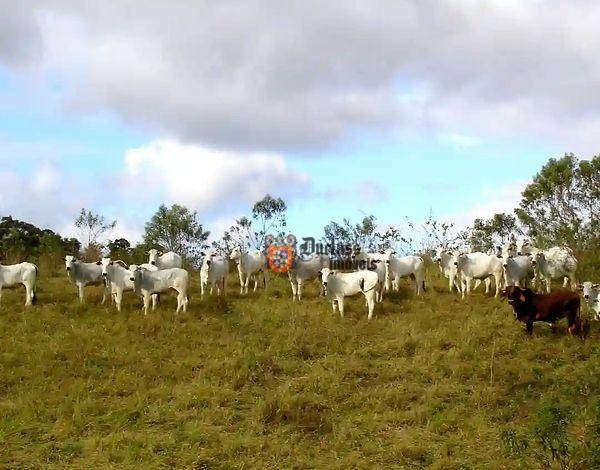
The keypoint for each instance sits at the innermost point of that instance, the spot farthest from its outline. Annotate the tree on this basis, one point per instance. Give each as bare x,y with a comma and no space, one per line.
562,204
119,248
176,229
485,235
93,226
268,218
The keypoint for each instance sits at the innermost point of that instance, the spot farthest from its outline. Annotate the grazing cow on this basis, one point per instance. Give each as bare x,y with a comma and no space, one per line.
164,260
85,274
477,265
529,307
339,285
556,263
591,296
306,270
147,283
373,262
249,264
445,261
397,268
22,273
118,276
214,271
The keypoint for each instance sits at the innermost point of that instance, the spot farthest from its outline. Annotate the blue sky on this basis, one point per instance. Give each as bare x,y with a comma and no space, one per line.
379,118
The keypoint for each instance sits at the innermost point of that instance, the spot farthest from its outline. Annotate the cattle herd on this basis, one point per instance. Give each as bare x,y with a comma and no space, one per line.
515,269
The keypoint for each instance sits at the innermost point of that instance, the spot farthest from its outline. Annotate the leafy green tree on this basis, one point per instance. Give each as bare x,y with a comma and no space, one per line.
268,218
92,226
176,229
119,248
562,204
485,235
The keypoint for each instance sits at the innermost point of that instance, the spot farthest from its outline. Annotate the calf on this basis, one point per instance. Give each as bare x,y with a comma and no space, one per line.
339,285
214,271
164,260
147,283
249,264
306,270
22,273
85,274
530,307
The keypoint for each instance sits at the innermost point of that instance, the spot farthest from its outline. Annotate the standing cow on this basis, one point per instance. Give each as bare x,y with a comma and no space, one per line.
164,260
407,266
249,264
306,270
479,266
213,272
85,274
22,273
339,285
445,260
556,263
148,283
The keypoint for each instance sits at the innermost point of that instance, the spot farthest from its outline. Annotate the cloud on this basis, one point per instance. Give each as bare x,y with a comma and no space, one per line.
213,182
262,75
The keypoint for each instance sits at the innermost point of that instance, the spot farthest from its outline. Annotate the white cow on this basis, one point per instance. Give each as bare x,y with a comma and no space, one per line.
214,271
164,260
372,262
525,247
339,285
397,268
591,295
85,274
249,264
477,265
556,263
118,276
518,270
22,273
445,261
147,283
306,270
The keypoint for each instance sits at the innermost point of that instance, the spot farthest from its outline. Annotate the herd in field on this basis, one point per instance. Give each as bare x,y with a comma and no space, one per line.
515,269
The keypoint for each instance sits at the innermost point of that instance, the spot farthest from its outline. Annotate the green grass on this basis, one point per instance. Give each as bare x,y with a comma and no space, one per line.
263,382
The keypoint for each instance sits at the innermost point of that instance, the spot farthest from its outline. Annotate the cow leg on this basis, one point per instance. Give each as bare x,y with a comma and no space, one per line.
241,276
370,303
451,280
467,289
265,278
0,292
340,301
146,298
255,282
28,294
334,305
246,283
548,284
118,299
498,279
300,285
154,301
201,289
294,285
529,326
80,288
488,283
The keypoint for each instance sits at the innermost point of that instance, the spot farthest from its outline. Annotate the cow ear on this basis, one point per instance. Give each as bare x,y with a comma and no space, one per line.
381,252
596,286
99,263
331,272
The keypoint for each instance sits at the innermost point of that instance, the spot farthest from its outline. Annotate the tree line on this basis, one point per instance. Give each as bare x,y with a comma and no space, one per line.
561,206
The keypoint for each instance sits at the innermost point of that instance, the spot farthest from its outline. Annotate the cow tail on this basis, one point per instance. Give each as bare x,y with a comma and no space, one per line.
34,294
424,288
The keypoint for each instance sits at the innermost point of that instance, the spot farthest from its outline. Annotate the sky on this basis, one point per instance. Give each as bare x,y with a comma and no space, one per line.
344,109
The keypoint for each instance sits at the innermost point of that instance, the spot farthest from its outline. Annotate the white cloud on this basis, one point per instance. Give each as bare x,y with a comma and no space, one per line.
213,182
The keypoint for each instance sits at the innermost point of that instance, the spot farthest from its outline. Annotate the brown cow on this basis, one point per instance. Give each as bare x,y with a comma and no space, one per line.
529,307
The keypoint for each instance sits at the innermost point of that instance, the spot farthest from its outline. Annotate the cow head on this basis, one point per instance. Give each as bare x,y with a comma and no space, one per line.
70,261
325,275
236,254
105,262
153,256
207,258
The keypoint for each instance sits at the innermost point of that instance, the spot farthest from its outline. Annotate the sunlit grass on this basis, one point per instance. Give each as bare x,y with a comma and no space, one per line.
261,381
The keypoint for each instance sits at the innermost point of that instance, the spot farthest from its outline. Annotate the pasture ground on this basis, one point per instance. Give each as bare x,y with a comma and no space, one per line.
263,382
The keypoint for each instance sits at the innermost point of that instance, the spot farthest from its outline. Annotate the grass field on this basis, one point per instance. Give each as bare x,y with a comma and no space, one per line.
262,382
